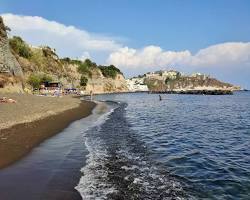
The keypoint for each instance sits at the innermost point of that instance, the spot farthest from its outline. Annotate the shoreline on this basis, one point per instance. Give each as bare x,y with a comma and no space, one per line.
18,140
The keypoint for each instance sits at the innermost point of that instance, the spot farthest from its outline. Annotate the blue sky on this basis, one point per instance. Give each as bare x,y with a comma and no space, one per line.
152,29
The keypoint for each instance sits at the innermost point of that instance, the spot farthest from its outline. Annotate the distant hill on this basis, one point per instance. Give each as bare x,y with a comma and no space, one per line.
175,81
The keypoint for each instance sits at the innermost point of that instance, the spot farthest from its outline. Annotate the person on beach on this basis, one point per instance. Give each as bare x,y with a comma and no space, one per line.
91,95
6,100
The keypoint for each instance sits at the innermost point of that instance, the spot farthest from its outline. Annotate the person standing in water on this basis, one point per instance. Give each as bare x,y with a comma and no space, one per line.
160,98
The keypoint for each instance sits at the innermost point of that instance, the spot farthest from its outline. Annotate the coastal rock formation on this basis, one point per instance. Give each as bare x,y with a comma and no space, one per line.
10,70
8,63
21,64
175,81
101,84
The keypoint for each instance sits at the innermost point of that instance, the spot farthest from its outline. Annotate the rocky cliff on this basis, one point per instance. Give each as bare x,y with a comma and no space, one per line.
107,85
10,70
22,66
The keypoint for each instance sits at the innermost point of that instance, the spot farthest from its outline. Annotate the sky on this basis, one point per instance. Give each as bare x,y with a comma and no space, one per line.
209,36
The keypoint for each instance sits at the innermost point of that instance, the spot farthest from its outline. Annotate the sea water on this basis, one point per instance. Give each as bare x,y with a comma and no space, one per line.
183,147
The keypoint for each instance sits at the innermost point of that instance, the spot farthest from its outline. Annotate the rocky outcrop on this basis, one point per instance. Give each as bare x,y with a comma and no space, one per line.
100,84
8,62
173,81
10,70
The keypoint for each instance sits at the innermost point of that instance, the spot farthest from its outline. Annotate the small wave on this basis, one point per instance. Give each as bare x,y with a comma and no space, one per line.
93,171
118,166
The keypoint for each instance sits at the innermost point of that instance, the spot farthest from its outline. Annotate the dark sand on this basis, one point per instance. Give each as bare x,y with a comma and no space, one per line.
51,170
31,107
18,140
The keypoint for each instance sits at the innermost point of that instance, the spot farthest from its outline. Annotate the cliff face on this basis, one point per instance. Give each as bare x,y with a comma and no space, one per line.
10,70
99,84
19,61
43,60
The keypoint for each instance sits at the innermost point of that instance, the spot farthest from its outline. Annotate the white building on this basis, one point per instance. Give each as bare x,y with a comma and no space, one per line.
199,75
162,75
136,85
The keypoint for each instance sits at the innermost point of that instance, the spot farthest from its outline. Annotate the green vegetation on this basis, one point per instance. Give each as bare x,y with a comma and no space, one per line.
110,71
45,78
83,68
20,47
83,81
35,80
168,80
67,60
48,52
178,75
86,66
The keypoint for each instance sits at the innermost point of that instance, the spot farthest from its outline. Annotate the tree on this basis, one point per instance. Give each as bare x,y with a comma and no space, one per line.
83,81
34,81
167,80
110,71
45,78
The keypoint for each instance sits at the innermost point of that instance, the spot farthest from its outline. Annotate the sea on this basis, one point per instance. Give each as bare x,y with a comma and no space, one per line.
182,147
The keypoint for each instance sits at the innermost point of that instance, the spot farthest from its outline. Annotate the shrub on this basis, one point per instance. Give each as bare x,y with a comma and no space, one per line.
167,80
45,78
83,81
35,80
85,67
66,59
109,71
20,47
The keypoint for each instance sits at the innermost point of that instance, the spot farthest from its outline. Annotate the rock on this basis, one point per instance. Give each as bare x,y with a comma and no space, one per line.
8,62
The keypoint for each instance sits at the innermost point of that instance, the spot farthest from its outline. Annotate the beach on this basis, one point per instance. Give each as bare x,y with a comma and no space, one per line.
25,124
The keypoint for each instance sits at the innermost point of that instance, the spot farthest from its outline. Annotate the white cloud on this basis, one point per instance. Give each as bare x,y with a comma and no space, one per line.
150,56
226,54
220,55
85,56
68,40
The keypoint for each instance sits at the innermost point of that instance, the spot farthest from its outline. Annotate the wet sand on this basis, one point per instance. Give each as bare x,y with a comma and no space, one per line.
51,171
32,120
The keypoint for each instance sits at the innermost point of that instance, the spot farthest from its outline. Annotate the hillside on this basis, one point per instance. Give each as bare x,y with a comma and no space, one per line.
24,67
175,81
